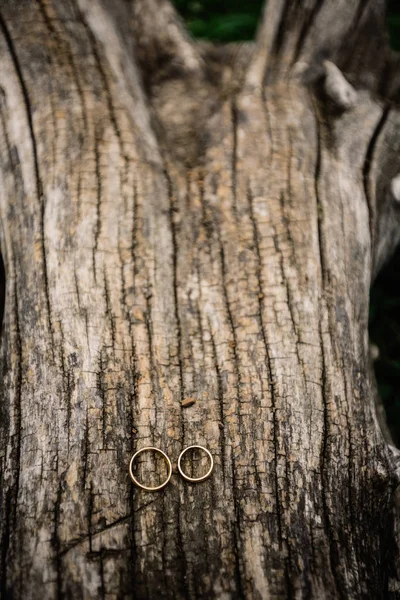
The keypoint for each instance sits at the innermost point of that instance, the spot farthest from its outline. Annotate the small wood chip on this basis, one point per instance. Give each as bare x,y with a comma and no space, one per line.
188,402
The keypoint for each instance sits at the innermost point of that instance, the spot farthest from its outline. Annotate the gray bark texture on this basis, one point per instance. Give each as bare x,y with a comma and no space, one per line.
180,220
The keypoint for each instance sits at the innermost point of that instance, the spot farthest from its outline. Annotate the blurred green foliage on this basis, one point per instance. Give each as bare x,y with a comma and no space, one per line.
234,20
394,23
384,328
221,21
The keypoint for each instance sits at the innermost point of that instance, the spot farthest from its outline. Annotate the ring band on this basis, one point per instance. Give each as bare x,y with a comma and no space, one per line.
195,479
141,485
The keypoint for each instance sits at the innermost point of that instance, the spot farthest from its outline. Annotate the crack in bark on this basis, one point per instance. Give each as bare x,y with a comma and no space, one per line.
368,163
99,199
134,237
324,458
317,175
64,43
236,501
17,438
86,446
103,76
198,312
109,312
234,119
67,384
279,35
56,541
85,538
271,383
171,211
285,280
89,516
132,539
153,373
237,546
306,28
102,391
77,291
220,403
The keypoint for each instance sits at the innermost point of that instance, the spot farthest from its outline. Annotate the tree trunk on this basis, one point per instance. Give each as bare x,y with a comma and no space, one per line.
179,220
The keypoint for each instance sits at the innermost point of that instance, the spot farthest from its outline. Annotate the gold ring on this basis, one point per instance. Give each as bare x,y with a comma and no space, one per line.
195,479
145,487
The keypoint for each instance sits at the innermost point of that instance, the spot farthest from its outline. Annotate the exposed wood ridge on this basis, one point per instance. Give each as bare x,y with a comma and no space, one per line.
38,176
54,30
163,44
351,34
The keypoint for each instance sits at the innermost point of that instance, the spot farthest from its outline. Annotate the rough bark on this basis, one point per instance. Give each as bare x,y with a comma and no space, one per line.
178,221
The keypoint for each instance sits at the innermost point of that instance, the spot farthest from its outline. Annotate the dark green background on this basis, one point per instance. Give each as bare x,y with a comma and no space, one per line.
233,20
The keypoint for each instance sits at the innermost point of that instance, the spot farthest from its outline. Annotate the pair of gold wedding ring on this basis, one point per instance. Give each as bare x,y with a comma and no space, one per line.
169,467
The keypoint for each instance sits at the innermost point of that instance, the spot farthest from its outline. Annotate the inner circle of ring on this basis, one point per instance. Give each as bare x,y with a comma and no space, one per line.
145,487
196,479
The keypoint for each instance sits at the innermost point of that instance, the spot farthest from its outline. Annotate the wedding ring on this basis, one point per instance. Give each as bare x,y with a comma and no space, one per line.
141,485
195,479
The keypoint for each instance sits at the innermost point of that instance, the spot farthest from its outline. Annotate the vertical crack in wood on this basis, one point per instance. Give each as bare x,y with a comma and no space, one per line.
134,235
56,541
237,545
102,392
324,458
285,278
17,438
368,164
234,119
236,500
109,311
317,174
172,212
66,48
104,78
279,35
99,200
334,552
67,385
85,450
172,208
220,395
271,383
306,28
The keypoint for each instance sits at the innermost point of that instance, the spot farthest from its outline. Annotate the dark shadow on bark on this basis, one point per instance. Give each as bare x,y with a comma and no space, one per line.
2,290
384,328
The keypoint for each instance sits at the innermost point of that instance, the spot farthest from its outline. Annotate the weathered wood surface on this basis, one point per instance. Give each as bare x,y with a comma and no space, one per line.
179,221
